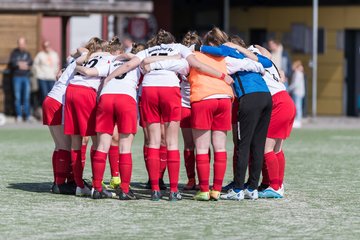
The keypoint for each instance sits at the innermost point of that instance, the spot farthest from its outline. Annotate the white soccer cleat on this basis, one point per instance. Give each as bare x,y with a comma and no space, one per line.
253,195
232,195
270,193
83,192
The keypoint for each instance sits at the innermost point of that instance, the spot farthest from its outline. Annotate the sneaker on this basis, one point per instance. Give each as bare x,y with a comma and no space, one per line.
175,196
18,119
83,192
63,189
231,185
270,193
156,195
162,184
282,190
95,194
202,196
214,195
232,195
114,182
127,196
191,184
251,194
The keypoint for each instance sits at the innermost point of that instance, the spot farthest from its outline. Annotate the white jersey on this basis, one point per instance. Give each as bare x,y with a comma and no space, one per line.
273,80
162,77
93,82
124,84
59,88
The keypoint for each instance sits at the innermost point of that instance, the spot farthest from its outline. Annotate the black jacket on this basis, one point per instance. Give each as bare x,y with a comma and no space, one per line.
16,56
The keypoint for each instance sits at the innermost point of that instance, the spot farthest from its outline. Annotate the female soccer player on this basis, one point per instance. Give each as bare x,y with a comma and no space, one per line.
282,119
80,110
161,99
117,106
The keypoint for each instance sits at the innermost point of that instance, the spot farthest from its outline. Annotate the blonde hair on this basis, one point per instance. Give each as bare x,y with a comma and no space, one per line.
137,47
115,45
164,37
215,37
191,38
93,45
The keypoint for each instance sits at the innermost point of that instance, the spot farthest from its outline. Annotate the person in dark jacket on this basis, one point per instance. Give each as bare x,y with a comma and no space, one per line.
20,64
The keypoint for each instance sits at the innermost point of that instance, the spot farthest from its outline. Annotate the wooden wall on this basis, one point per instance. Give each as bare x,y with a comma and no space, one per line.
12,27
278,20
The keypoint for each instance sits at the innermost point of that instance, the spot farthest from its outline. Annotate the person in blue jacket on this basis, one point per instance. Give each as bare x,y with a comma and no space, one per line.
254,114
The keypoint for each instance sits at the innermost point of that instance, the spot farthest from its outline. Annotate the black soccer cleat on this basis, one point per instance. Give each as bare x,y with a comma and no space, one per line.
64,188
95,194
127,196
175,196
156,196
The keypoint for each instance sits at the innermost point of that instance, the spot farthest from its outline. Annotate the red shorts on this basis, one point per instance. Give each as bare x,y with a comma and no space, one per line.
185,121
211,114
161,103
80,111
234,111
119,109
282,116
52,112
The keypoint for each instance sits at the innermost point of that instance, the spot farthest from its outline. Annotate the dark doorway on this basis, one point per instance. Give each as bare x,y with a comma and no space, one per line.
352,78
258,36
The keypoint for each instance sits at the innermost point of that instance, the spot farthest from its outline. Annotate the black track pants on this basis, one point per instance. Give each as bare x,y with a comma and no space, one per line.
253,122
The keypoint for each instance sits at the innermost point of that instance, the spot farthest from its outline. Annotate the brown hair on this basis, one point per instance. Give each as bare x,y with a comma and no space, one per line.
215,37
164,37
190,38
93,45
137,47
237,40
115,45
151,42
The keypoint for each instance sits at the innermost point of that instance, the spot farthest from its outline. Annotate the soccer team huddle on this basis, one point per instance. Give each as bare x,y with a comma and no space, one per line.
203,86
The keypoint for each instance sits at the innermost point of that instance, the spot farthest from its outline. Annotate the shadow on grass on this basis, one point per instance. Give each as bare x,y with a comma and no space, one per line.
41,187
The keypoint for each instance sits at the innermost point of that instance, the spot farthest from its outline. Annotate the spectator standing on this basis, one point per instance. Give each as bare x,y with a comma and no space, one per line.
297,90
46,66
20,64
280,57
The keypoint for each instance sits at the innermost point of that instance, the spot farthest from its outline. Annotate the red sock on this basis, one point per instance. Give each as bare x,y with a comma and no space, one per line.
114,160
153,165
78,168
281,161
203,170
189,158
83,151
98,163
220,159
125,169
265,174
235,156
173,163
145,153
63,160
163,160
53,159
273,169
